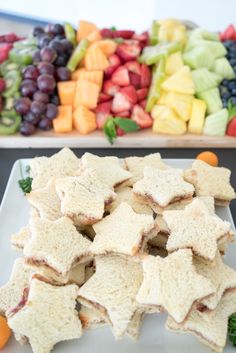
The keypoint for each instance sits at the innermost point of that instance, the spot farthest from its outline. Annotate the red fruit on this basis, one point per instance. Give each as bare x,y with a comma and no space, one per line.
114,62
135,80
229,33
11,37
143,37
110,88
133,66
231,129
106,33
104,107
121,76
146,76
142,118
101,118
120,103
124,114
1,104
123,34
4,50
142,93
119,131
128,52
103,111
104,98
2,85
143,104
130,93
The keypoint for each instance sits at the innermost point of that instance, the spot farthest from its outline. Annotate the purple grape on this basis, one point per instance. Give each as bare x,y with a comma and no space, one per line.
48,54
41,97
61,60
63,74
67,46
31,72
28,87
46,68
51,112
57,45
57,29
27,129
36,57
22,105
31,118
46,83
38,108
38,31
45,124
44,41
55,99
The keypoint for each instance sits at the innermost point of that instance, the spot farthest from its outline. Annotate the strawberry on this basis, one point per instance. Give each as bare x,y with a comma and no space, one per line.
143,103
103,111
125,34
104,97
231,129
120,103
106,33
121,76
110,88
4,50
114,62
229,33
119,131
101,118
124,114
2,85
104,107
130,93
145,76
142,118
143,37
142,93
133,66
11,37
128,52
135,80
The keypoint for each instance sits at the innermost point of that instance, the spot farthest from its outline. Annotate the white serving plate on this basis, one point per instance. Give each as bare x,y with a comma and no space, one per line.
14,213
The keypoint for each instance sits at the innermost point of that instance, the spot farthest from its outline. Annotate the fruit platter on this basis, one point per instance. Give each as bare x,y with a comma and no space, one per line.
170,86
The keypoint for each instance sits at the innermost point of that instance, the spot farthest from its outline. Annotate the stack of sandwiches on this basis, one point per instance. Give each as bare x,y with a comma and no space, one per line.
109,242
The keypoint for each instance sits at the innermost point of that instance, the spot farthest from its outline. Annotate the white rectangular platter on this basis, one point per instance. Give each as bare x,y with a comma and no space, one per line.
154,338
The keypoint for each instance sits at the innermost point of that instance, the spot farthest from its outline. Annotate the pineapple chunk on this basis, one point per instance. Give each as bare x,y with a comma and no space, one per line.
162,98
180,82
158,110
196,122
174,62
166,121
180,103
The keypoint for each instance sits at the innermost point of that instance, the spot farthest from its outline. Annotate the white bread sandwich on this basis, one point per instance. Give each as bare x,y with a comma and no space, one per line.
211,181
123,232
61,164
84,197
109,169
19,239
46,315
90,318
56,244
209,327
135,165
112,291
173,284
161,188
197,229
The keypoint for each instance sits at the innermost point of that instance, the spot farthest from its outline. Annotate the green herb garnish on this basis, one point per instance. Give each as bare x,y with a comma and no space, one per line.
125,124
232,329
25,184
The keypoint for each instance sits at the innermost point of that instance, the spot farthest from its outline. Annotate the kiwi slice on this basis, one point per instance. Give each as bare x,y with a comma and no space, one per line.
13,81
9,123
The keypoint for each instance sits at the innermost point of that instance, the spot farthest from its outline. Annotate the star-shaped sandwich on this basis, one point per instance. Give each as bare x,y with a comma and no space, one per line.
136,165
172,283
161,188
196,228
46,201
56,244
47,316
61,164
123,231
108,169
209,327
211,181
112,291
19,239
222,277
84,197
11,292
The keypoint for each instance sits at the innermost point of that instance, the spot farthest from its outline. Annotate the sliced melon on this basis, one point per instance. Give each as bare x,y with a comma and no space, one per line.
199,57
212,99
204,79
223,68
215,124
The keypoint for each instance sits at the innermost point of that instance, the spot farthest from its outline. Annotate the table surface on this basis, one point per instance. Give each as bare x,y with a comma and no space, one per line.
9,156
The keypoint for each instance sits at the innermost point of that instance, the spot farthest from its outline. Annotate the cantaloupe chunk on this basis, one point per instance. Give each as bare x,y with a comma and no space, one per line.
95,76
84,120
94,36
66,91
76,74
107,46
95,59
63,121
86,94
85,29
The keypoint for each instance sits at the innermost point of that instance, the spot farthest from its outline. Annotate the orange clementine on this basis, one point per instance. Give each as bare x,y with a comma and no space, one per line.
209,158
5,332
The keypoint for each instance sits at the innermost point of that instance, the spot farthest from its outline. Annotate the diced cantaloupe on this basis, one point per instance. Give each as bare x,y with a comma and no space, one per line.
107,46
66,91
94,36
76,74
85,29
84,120
95,59
86,94
95,76
63,122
